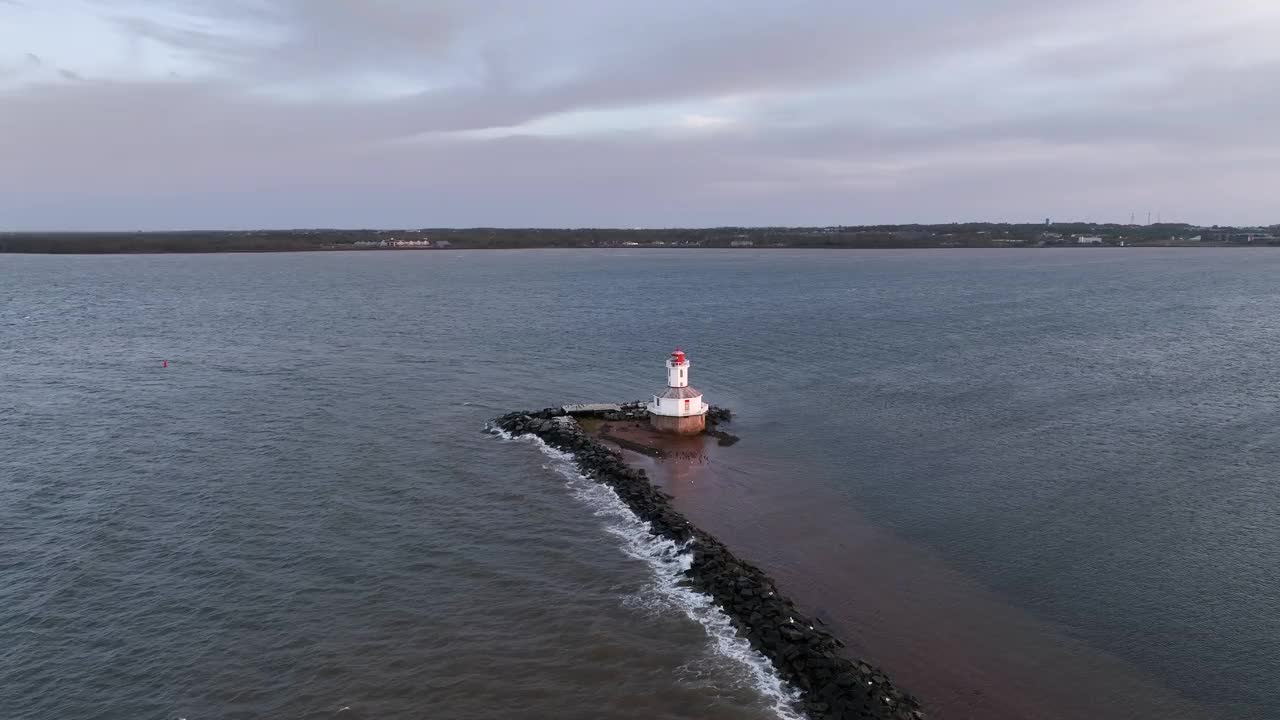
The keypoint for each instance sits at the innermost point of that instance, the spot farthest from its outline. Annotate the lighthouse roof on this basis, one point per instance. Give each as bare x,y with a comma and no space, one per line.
681,393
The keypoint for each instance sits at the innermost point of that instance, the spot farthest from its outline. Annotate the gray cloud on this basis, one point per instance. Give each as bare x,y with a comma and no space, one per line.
388,113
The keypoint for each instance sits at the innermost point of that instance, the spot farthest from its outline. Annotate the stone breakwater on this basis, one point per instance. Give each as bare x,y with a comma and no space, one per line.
831,685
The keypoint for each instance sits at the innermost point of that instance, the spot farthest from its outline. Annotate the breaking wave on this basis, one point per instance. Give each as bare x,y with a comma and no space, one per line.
667,562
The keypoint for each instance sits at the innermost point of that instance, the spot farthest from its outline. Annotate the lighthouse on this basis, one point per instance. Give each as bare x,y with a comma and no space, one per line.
678,409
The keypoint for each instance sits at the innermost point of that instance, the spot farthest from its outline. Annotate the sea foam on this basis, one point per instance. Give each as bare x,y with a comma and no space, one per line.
668,562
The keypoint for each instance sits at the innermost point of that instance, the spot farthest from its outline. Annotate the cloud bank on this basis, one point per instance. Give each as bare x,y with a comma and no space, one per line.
151,114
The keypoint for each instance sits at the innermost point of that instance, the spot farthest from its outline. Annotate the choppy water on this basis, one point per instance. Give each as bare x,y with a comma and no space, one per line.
302,517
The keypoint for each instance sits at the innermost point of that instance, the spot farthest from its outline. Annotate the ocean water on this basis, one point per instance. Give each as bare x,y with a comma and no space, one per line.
303,515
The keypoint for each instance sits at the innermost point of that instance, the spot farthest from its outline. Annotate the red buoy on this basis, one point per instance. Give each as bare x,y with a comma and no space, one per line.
166,364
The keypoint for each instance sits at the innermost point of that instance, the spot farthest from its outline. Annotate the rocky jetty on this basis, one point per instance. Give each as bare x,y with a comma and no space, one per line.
831,685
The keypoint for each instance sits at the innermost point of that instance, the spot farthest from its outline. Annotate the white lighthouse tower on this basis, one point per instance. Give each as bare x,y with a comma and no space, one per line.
679,409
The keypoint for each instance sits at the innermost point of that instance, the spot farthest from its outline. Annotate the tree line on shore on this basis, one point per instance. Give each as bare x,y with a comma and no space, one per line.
866,236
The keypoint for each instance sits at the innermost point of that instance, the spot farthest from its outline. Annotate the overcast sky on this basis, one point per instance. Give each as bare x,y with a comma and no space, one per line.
156,114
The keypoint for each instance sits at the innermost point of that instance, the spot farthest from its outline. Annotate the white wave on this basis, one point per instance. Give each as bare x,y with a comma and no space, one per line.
668,561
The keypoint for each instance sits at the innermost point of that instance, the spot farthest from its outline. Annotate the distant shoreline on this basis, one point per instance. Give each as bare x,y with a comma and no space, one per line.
868,237
557,247
620,249
319,250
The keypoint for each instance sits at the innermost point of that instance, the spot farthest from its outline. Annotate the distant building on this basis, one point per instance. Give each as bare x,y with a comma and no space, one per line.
740,243
1233,235
1089,240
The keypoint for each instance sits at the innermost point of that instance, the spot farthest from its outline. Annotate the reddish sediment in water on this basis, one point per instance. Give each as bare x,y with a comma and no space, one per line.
801,649
965,651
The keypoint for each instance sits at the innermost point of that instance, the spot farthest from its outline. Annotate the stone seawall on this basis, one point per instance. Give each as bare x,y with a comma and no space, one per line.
832,686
